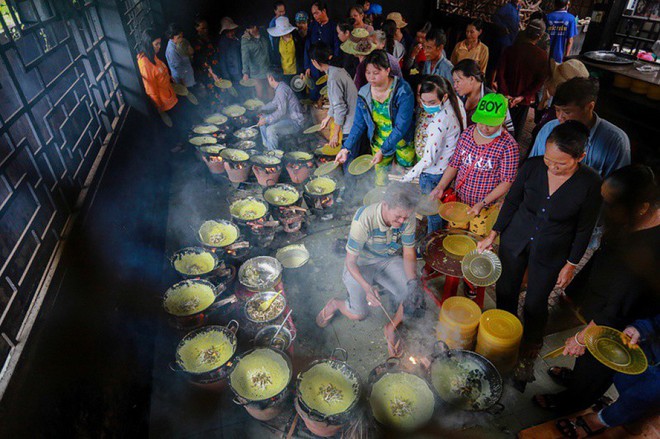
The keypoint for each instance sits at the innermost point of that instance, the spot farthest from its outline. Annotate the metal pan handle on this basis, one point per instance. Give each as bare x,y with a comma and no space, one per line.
237,402
233,326
392,362
440,348
175,367
337,351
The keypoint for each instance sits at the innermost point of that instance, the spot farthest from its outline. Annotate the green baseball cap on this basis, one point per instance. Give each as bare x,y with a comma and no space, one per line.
491,110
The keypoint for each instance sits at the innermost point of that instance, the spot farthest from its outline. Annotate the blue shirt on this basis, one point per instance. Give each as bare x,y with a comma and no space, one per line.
561,27
442,68
181,66
608,148
321,32
507,18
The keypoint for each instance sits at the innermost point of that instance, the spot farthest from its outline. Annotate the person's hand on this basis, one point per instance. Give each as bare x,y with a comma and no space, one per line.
378,157
324,122
515,101
342,156
334,139
437,192
565,276
373,299
261,122
245,77
572,348
634,335
308,73
476,209
416,49
487,242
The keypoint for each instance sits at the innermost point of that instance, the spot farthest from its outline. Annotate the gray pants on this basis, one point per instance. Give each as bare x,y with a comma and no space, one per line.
387,272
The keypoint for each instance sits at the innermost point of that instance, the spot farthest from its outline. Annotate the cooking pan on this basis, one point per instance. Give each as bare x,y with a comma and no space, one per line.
465,380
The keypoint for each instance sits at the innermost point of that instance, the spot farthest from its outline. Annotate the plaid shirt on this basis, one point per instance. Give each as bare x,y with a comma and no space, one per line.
497,163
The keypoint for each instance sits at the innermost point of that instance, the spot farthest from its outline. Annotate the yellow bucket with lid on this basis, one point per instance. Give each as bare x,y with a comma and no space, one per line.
461,313
500,328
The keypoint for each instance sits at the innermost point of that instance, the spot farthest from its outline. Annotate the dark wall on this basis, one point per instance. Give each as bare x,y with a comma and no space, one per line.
184,13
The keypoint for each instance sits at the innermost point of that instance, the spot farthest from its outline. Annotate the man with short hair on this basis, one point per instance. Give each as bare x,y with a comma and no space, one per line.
562,27
320,29
381,250
608,148
436,61
522,72
285,113
279,10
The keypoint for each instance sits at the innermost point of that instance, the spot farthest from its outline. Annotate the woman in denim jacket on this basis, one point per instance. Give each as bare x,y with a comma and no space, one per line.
385,110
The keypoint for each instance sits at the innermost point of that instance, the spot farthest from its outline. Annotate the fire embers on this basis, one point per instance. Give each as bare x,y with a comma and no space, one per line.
267,175
291,218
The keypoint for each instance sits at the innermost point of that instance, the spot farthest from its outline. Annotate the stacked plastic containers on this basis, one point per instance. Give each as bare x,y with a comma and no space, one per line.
498,338
458,322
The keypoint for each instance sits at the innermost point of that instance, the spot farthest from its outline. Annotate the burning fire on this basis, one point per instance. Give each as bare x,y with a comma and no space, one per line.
412,360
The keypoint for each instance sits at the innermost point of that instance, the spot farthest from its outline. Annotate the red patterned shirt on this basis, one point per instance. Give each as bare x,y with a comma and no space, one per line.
496,162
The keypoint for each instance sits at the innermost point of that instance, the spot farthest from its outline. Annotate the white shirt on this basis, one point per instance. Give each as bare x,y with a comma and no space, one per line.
435,140
399,50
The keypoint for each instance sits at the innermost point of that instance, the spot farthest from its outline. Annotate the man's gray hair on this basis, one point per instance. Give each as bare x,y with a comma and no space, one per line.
401,195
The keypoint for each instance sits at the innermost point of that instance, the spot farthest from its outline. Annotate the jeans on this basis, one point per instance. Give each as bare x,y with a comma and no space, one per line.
270,134
639,396
428,182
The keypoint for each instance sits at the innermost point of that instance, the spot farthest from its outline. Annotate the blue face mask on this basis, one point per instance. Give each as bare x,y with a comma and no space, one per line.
431,109
495,135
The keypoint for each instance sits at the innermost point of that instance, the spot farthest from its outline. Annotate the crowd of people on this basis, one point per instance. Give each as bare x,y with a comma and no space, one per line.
444,123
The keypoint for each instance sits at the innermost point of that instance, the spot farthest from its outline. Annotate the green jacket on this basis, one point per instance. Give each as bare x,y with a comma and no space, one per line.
255,55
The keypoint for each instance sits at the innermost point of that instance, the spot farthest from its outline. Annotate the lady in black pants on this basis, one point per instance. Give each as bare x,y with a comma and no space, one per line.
545,225
620,285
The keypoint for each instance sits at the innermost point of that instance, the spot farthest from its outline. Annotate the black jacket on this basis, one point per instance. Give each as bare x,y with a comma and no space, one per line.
557,228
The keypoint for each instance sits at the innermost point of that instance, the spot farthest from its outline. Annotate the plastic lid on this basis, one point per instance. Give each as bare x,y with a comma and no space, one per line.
326,168
461,311
459,245
501,325
455,211
361,165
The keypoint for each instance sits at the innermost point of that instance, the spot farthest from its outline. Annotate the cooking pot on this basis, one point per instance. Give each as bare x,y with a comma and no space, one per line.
259,380
248,209
205,354
266,337
194,262
465,380
327,393
190,301
217,234
276,308
398,399
260,274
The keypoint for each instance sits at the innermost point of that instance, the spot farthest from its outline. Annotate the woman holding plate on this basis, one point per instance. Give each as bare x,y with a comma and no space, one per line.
484,164
342,93
545,224
385,109
617,286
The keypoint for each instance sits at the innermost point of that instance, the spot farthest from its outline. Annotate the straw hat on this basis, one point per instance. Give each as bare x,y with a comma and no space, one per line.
227,24
282,27
358,43
398,19
561,73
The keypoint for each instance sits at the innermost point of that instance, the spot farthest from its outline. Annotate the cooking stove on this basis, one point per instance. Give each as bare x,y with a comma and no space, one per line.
291,218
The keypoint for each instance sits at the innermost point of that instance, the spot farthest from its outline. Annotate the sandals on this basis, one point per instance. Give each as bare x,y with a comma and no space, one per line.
550,401
560,375
322,319
569,429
